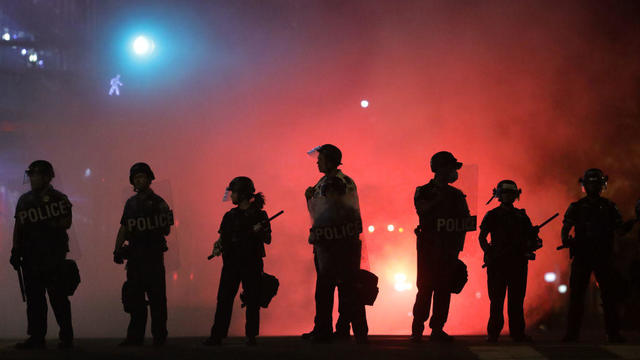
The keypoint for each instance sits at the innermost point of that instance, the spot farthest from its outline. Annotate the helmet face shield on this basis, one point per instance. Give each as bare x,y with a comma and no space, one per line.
331,153
227,195
42,167
509,188
29,173
505,187
315,152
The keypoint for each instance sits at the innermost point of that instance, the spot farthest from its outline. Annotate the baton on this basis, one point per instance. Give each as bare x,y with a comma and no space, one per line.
268,220
21,281
548,220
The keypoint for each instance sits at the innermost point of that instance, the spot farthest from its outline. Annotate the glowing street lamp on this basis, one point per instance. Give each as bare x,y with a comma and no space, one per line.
143,46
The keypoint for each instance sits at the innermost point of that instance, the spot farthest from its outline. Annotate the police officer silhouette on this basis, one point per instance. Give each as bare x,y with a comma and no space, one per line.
442,210
596,221
337,245
145,223
243,232
506,258
329,159
40,245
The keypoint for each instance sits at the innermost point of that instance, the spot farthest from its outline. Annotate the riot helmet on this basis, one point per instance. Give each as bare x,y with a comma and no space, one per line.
140,167
504,187
444,160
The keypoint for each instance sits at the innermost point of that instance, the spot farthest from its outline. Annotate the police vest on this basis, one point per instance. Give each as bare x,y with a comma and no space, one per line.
44,212
149,223
342,231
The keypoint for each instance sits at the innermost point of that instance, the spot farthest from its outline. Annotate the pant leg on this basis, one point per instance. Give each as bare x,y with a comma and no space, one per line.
325,290
497,287
138,306
59,300
343,324
316,294
605,276
353,308
517,286
36,301
441,302
156,289
425,287
227,290
61,307
443,271
251,278
578,283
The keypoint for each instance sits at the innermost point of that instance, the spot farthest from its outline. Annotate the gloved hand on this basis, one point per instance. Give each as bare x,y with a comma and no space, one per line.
117,258
15,260
217,248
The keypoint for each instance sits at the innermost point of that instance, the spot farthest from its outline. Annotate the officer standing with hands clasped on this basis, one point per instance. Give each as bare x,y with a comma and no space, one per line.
329,159
596,222
40,245
243,232
444,220
335,237
145,222
506,259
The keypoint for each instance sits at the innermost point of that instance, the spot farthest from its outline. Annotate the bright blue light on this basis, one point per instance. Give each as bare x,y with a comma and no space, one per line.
143,46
